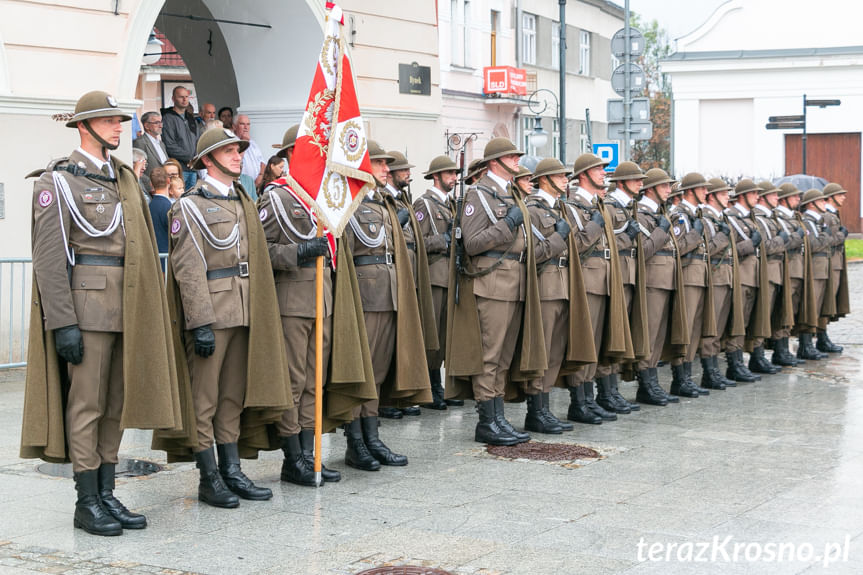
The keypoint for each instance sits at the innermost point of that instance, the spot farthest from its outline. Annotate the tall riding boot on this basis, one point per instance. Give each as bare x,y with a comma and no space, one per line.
805,348
112,505
487,429
646,393
546,408
781,355
235,479
437,401
708,376
295,468
90,514
595,407
578,410
825,345
357,454
654,381
535,419
211,488
759,364
504,423
679,385
736,370
687,369
615,393
307,444
376,447
606,399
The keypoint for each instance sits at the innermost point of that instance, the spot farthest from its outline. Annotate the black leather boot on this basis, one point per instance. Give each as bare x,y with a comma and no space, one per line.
687,369
606,400
825,345
295,468
437,401
535,420
805,348
454,402
654,381
708,376
781,356
211,488
546,407
357,454
612,382
646,393
736,370
717,374
307,444
504,423
758,362
390,412
112,505
487,429
90,514
235,479
379,451
595,407
578,410
412,410
679,385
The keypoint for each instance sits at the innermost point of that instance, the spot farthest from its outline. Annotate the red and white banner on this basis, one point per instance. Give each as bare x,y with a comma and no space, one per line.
330,167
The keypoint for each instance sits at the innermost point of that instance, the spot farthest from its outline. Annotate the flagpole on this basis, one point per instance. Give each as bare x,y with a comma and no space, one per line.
319,363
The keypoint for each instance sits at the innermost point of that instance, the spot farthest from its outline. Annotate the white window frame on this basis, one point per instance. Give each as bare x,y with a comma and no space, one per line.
584,52
528,38
555,45
466,22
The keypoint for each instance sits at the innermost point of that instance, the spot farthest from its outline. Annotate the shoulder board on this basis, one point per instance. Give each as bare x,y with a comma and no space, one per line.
53,163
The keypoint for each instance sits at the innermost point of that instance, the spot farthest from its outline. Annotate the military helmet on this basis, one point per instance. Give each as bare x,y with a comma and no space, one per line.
675,190
96,104
475,167
655,177
548,167
787,190
400,163
626,171
498,148
810,196
213,139
692,180
522,172
288,141
743,186
440,164
766,188
833,189
376,152
715,185
586,161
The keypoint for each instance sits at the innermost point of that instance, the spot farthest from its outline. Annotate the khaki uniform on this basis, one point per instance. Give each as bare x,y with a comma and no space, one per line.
88,295
821,245
794,260
214,290
837,257
552,261
370,239
286,224
775,249
748,265
403,200
721,273
435,218
500,293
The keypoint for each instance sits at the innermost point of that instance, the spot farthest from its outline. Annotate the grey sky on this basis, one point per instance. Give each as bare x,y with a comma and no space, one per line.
678,17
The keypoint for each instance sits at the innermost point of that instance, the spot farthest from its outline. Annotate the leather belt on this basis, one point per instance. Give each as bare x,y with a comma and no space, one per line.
412,246
93,260
821,255
372,260
242,270
630,253
716,262
520,257
664,253
776,257
604,254
311,263
557,262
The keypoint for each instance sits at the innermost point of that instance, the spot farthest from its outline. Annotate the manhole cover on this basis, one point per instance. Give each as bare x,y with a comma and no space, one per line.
404,570
543,451
126,468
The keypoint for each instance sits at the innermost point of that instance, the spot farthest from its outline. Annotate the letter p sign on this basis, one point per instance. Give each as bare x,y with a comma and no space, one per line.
609,153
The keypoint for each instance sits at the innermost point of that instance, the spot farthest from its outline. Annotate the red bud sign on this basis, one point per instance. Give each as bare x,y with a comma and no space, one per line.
504,80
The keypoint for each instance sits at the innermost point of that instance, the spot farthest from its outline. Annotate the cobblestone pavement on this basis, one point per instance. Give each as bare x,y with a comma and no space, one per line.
777,462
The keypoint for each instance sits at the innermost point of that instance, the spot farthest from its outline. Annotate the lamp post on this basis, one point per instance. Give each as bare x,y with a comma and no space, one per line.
539,137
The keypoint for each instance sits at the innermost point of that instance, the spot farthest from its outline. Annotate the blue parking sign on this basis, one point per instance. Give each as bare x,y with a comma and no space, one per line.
609,153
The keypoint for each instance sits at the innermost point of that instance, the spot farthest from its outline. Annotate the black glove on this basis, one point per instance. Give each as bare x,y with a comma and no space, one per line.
698,226
448,237
562,227
596,217
784,235
205,341
69,343
844,231
403,217
513,217
756,239
723,227
663,223
310,249
633,229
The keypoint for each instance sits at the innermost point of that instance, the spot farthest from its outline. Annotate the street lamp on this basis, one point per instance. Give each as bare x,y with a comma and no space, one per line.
539,137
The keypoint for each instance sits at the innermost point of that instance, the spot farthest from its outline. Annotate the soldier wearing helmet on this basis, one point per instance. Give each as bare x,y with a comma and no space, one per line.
286,148
834,194
819,245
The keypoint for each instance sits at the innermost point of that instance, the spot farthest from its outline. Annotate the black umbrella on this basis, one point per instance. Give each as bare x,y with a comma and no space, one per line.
802,181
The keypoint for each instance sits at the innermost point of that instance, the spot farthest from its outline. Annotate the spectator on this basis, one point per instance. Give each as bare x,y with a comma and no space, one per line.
208,112
160,206
136,127
275,169
180,132
174,171
226,115
253,159
139,164
151,142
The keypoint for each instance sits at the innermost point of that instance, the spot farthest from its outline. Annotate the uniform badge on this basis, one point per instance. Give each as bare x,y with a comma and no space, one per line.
263,214
212,210
100,209
45,198
420,216
297,213
175,225
87,196
468,210
111,101
373,228
676,231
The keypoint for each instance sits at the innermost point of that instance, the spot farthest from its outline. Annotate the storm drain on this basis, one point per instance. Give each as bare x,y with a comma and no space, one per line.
404,570
540,451
126,468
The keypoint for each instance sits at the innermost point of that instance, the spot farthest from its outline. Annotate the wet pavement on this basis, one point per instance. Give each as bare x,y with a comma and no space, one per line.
763,478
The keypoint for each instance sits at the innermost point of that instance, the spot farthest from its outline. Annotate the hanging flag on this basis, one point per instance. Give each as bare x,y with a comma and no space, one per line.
330,167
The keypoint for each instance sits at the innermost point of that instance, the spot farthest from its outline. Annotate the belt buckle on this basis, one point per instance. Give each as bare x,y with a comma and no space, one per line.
633,253
244,269
389,259
562,262
606,254
521,257
705,256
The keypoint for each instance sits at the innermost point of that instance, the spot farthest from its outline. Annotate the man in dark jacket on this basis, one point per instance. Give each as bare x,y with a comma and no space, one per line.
180,132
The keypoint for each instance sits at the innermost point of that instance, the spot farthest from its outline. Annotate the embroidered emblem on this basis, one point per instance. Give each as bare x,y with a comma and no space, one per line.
676,231
100,209
263,214
45,198
175,226
87,197
468,210
420,216
373,228
297,213
336,191
211,210
352,142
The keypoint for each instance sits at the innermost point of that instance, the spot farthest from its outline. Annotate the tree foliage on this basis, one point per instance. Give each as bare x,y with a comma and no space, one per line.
656,152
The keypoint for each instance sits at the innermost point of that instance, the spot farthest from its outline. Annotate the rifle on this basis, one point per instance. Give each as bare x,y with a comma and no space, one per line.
459,206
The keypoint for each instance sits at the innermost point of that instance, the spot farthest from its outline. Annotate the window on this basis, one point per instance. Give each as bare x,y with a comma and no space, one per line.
527,123
583,145
584,52
460,33
555,45
495,18
456,34
466,34
528,39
